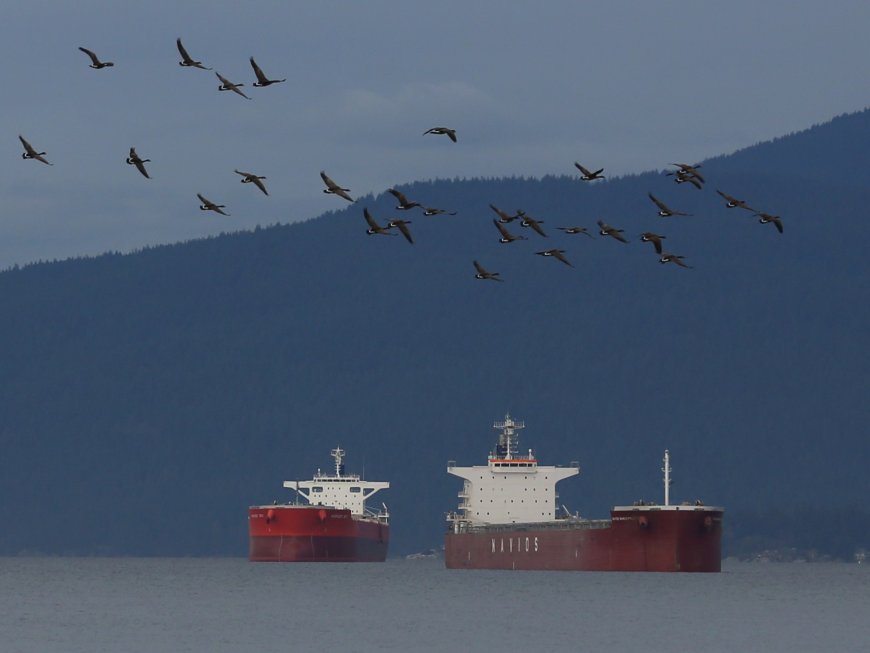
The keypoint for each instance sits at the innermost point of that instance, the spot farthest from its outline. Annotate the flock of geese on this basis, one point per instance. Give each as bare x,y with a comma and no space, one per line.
683,174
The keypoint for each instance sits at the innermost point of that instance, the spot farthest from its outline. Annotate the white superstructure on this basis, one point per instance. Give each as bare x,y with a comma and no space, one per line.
344,491
511,488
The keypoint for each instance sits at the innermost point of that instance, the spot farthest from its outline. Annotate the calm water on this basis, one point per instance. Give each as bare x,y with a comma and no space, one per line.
74,605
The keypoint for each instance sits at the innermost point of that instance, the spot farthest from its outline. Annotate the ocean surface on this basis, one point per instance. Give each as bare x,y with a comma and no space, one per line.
73,605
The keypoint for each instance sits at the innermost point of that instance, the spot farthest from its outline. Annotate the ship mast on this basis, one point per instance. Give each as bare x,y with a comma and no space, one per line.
507,439
667,470
338,454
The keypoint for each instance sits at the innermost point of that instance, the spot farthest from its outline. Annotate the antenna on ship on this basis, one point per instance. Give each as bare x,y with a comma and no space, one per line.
667,470
507,439
338,454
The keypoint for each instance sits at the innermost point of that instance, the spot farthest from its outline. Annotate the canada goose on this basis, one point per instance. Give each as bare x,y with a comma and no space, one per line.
402,225
227,85
664,211
186,59
681,177
506,236
503,217
428,210
686,169
208,205
134,160
30,153
334,189
251,178
262,80
450,133
483,273
529,221
734,203
404,203
587,174
556,254
613,232
576,230
374,227
673,258
96,64
764,218
655,239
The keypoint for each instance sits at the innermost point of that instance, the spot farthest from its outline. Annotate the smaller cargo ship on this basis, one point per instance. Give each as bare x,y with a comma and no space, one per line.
508,519
334,525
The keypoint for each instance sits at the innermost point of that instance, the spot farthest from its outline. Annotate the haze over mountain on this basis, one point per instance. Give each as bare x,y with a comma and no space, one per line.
148,399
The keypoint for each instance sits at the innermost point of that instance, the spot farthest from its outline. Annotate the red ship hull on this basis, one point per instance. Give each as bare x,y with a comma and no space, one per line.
685,538
291,533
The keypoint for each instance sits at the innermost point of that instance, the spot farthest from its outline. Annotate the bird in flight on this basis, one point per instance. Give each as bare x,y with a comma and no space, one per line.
208,205
251,178
664,210
503,217
673,258
404,202
734,203
135,160
681,177
374,227
558,254
764,218
506,236
446,131
227,85
186,59
334,189
429,210
402,225
576,230
529,221
606,230
483,273
691,171
30,152
588,175
262,80
655,239
96,64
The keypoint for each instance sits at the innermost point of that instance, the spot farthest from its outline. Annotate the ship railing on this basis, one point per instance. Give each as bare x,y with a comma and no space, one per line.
465,526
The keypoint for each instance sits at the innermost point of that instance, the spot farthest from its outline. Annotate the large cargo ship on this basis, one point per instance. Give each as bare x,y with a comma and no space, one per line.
508,519
333,525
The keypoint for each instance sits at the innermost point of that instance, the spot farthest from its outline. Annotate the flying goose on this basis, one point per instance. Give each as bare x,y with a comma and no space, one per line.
681,177
576,230
186,59
262,80
483,273
227,85
402,225
588,175
686,169
334,189
734,203
404,203
251,178
503,217
374,227
655,239
428,210
30,153
134,160
673,258
556,254
529,221
613,232
664,211
96,64
450,133
764,218
208,205
506,236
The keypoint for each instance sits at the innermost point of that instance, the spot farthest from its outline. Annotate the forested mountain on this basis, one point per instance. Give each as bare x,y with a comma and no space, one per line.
147,399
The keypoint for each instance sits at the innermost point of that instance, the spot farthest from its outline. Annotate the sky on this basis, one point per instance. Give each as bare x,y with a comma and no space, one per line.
530,88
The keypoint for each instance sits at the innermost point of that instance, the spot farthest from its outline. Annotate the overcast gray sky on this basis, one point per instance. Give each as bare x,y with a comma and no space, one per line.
530,87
